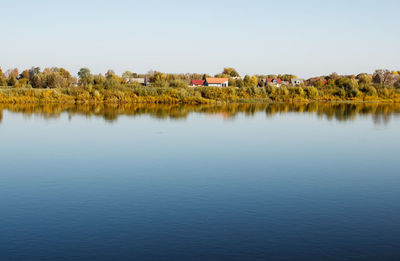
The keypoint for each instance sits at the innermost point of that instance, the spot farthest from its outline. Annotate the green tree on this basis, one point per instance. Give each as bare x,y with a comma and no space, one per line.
85,77
364,79
99,79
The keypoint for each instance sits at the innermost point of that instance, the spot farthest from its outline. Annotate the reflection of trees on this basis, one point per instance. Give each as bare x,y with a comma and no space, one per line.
380,112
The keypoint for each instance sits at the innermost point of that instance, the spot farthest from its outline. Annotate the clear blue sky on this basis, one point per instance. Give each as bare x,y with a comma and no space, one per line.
305,38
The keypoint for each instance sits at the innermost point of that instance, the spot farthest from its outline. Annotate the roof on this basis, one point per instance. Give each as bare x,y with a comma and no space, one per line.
269,80
216,80
197,82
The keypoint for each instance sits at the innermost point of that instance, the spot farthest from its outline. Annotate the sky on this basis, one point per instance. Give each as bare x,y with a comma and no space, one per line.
305,38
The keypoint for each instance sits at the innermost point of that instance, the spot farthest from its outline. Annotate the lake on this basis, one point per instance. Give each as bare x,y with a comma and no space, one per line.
169,182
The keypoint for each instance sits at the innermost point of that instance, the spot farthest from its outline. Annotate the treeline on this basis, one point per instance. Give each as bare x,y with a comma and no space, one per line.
58,85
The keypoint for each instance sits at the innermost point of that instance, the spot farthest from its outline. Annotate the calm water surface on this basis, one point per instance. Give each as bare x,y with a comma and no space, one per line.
250,182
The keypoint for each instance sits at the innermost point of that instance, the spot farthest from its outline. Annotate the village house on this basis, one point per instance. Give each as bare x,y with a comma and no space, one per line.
273,81
143,81
296,82
217,82
138,80
197,83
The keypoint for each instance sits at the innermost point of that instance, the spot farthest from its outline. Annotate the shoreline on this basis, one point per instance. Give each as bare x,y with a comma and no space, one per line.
182,96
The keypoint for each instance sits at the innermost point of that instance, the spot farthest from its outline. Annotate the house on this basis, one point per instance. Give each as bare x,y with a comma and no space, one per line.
296,82
274,81
196,83
138,80
217,82
143,81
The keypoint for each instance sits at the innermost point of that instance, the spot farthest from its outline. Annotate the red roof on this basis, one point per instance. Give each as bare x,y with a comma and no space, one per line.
278,80
198,82
216,80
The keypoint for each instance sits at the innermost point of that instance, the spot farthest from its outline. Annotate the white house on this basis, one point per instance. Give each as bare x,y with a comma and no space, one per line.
138,80
217,82
296,82
143,81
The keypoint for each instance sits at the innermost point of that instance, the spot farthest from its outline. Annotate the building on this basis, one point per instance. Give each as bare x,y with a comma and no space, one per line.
197,83
274,81
217,82
142,81
296,82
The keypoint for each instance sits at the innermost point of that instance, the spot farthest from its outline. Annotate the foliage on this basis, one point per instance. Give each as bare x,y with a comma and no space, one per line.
58,85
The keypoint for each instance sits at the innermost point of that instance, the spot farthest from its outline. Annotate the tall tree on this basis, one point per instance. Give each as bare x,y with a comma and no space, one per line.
3,80
85,77
231,72
384,77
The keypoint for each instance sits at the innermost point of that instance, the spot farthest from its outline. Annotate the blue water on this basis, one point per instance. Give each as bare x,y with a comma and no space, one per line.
287,186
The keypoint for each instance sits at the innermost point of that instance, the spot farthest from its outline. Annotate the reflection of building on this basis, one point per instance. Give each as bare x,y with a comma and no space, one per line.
217,82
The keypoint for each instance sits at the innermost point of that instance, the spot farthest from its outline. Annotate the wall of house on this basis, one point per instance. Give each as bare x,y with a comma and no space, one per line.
138,80
225,84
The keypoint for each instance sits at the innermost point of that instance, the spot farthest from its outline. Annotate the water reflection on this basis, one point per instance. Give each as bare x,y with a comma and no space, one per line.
381,113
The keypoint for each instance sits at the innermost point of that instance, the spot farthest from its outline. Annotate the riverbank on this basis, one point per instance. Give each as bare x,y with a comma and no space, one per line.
201,95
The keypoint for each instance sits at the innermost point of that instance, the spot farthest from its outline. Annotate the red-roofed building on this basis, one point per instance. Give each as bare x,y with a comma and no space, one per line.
274,81
196,83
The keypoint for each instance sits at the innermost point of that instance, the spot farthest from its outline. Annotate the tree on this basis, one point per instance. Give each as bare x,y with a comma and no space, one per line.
231,72
99,79
287,77
334,76
12,77
85,77
364,79
205,76
250,81
33,71
39,81
3,80
312,92
158,77
384,77
127,76
110,74
64,73
397,84
24,75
